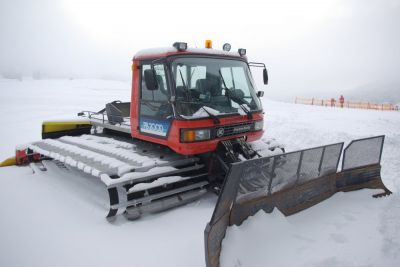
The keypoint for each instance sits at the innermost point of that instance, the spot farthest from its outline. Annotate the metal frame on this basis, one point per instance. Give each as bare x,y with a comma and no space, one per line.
257,64
363,139
104,122
300,162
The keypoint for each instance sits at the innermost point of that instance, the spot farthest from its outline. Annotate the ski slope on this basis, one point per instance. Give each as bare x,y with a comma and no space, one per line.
56,218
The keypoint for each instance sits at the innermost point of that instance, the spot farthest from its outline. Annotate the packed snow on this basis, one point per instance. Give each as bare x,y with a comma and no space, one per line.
56,218
202,112
205,112
167,50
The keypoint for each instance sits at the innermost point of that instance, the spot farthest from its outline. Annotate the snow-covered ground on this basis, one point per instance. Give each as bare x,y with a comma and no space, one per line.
56,218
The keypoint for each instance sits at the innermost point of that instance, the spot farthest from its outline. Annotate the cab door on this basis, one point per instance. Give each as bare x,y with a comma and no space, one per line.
155,110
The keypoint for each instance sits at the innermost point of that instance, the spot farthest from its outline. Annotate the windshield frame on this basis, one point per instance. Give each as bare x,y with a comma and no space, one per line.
172,83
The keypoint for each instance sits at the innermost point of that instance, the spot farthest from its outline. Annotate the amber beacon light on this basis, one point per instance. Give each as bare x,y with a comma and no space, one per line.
208,44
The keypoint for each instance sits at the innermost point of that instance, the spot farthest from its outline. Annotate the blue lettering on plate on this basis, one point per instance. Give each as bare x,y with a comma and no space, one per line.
156,127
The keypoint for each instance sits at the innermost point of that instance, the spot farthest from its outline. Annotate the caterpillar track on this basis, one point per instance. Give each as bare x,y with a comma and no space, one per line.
139,177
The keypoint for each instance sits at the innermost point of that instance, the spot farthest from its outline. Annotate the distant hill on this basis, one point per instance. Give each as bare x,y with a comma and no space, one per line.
378,92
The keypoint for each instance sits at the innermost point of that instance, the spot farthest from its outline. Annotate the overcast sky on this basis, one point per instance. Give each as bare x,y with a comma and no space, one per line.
310,47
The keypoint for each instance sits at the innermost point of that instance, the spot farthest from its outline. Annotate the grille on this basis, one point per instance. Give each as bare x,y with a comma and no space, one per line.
235,129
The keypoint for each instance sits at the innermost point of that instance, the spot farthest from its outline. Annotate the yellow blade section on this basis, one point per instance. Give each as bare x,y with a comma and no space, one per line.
9,162
58,126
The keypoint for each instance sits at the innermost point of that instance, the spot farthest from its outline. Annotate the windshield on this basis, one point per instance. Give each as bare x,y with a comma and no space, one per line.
218,85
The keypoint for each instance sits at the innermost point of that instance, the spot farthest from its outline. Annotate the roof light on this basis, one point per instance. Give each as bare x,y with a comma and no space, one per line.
226,47
180,46
242,51
208,44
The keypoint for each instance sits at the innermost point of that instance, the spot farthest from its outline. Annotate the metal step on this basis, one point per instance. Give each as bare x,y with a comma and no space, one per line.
135,212
143,200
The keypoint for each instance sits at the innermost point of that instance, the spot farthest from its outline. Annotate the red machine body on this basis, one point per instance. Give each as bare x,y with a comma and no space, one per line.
173,139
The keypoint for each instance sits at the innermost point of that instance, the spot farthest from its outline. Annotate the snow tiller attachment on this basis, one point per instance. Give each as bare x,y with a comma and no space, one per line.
139,177
292,182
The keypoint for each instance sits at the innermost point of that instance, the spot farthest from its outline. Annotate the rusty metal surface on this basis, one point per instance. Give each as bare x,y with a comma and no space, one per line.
213,235
291,182
215,230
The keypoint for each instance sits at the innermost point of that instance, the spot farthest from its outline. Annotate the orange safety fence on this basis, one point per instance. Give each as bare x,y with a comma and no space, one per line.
346,104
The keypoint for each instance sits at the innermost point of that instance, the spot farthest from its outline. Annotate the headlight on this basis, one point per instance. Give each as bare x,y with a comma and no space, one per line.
258,125
195,135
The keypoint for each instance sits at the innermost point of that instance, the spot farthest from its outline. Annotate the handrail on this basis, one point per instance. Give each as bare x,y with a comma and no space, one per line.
91,115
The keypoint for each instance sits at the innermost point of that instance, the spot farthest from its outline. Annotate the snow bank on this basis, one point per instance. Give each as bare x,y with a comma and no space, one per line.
350,229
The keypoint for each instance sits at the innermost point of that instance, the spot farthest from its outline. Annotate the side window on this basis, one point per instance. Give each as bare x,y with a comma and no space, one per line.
145,94
154,103
161,94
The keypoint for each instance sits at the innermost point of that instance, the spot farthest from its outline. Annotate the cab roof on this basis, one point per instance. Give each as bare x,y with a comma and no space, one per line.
154,53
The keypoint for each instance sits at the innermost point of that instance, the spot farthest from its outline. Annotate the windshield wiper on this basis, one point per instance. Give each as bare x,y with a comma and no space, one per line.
212,116
188,96
241,105
223,80
248,112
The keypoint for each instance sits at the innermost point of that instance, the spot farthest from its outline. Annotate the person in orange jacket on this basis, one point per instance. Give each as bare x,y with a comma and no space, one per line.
341,100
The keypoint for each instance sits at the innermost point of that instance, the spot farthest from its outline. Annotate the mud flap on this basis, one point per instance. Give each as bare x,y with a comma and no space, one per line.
114,200
291,182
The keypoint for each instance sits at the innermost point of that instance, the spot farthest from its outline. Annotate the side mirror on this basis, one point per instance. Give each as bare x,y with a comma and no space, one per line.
265,76
260,94
150,79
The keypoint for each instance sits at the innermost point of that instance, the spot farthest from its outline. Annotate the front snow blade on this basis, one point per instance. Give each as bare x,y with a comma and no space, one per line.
291,182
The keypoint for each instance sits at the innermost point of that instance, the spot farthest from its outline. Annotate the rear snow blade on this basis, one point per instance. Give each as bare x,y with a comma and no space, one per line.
8,162
292,182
